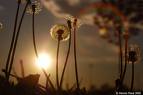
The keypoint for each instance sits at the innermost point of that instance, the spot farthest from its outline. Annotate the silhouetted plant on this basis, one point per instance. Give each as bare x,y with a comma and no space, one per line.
59,33
68,52
126,37
75,23
75,57
34,8
17,36
133,57
12,41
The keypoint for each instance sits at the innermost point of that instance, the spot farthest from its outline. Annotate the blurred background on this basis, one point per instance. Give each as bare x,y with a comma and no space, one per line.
97,57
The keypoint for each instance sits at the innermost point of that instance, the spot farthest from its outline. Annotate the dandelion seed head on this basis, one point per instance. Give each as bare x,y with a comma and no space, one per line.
72,19
34,7
60,30
134,53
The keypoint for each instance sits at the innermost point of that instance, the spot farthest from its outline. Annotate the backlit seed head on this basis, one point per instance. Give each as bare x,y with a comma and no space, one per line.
72,19
60,32
133,53
34,7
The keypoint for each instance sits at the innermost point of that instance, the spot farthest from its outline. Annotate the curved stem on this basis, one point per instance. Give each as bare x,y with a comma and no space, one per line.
57,63
33,34
75,57
17,36
132,81
12,41
126,59
35,48
66,61
120,55
47,77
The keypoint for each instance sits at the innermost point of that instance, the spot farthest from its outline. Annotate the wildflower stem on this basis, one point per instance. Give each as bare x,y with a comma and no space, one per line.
75,57
57,63
126,58
119,28
34,43
17,36
132,80
12,41
67,56
33,30
120,54
47,77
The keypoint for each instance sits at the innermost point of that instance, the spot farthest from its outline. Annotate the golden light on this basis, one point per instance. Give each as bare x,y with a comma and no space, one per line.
44,61
103,32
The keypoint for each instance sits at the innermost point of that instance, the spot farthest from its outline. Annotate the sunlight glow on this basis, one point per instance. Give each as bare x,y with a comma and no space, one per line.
44,61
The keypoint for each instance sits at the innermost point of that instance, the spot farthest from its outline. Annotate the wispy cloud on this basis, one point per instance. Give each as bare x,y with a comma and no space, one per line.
54,8
73,2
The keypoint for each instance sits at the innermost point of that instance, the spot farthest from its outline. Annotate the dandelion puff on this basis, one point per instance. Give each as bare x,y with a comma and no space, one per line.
71,18
34,7
60,30
134,53
133,57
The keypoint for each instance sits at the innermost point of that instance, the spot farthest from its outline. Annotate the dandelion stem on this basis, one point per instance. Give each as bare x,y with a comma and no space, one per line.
75,57
12,41
34,44
120,55
132,81
33,30
68,52
126,58
57,63
17,36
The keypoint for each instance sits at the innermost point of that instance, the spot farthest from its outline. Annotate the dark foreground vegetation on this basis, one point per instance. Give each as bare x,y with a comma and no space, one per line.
29,86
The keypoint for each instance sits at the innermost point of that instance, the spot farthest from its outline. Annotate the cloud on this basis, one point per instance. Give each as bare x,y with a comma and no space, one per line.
73,2
54,8
88,18
66,11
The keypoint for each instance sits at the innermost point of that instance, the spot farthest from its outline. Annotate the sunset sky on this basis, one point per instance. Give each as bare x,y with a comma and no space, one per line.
97,59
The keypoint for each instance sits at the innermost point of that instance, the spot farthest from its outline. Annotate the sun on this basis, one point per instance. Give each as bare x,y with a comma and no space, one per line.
44,61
